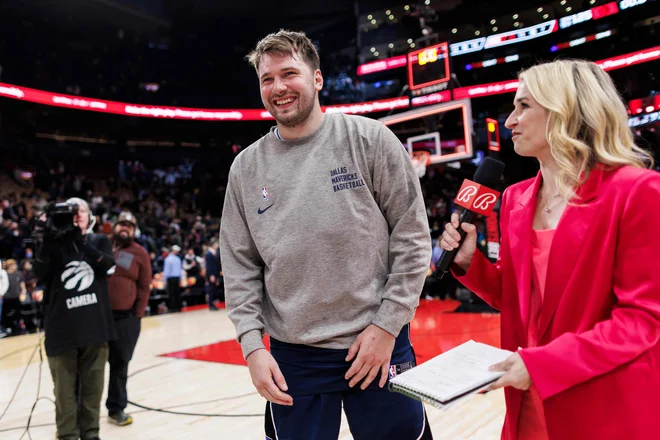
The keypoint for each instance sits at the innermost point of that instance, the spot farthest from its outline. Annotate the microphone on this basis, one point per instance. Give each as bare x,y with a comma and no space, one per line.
478,199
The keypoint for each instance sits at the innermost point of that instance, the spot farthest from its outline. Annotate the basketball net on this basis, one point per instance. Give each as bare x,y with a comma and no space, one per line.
420,160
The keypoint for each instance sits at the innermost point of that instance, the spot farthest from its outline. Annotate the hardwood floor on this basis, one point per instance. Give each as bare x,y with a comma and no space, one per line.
181,384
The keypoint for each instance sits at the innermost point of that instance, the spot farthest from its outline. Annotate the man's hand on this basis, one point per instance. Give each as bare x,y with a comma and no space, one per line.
373,348
516,374
263,369
212,279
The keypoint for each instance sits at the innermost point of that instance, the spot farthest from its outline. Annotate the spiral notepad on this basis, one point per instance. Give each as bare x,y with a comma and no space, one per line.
452,375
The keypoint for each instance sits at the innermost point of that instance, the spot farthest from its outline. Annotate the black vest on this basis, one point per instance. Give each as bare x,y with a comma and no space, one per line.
78,311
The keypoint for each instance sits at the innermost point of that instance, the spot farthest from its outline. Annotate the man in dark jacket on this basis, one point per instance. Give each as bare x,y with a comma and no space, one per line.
213,273
73,264
129,296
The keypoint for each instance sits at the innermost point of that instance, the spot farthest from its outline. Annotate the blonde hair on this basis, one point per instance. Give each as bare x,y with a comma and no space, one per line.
587,123
286,43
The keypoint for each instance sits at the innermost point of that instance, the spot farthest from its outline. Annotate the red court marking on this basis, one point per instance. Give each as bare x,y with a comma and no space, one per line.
433,331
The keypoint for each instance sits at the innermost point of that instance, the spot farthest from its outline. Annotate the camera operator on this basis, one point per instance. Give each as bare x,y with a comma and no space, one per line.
73,264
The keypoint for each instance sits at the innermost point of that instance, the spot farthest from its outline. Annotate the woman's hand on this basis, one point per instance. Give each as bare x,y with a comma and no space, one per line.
516,374
451,237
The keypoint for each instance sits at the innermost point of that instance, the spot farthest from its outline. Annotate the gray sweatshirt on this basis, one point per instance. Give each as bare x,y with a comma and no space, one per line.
323,236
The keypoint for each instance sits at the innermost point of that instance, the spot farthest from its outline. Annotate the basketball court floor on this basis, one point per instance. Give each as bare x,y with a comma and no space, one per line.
188,366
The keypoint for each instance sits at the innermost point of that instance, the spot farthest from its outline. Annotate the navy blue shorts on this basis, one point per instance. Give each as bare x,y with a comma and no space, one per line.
315,380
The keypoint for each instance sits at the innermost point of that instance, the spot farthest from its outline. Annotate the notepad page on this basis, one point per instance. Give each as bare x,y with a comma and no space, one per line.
454,372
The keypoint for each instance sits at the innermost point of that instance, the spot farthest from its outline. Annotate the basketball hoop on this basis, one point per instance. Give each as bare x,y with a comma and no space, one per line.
420,160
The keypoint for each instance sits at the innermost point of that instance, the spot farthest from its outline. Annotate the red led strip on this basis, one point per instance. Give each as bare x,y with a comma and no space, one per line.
586,39
382,65
99,105
604,10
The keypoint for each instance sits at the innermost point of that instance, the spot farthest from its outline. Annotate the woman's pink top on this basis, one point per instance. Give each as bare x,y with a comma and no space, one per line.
531,423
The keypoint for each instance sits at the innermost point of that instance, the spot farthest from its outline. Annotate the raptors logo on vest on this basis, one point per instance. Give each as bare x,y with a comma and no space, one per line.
79,276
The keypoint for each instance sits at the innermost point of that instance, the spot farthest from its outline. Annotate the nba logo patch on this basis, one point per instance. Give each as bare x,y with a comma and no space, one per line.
264,193
392,371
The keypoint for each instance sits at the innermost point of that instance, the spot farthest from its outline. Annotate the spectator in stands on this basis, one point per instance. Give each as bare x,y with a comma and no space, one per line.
199,226
156,263
6,250
129,295
192,263
4,285
11,309
173,274
213,273
97,201
14,240
171,210
7,210
29,278
31,301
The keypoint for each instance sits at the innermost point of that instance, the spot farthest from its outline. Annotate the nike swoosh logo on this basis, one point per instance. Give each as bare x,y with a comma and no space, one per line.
261,211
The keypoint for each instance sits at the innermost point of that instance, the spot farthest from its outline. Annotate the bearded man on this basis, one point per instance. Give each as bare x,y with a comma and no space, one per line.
325,246
129,295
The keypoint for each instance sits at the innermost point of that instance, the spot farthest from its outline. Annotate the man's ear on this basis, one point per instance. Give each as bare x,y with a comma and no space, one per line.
318,80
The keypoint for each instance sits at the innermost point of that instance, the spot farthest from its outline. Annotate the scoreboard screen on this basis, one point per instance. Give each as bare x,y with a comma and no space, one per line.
428,66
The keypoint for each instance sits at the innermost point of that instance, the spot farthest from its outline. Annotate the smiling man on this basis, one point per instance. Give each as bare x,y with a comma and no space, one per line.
325,246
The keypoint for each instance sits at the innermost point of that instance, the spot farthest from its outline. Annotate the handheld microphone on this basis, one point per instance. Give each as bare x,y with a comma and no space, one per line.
478,199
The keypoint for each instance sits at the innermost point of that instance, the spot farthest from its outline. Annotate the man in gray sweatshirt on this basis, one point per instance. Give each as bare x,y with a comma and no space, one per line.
325,246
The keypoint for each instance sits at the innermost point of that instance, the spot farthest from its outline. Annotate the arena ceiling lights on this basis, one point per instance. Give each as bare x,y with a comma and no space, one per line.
511,37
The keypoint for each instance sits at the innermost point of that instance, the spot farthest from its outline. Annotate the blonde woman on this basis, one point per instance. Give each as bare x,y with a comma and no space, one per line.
578,276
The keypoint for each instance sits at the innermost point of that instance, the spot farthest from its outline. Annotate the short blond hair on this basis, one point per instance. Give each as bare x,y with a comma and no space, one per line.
286,43
588,121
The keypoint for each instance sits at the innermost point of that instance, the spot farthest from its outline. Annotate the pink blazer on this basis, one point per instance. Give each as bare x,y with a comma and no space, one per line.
597,366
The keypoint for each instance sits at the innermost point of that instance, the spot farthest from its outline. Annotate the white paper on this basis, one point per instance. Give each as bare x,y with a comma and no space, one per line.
455,372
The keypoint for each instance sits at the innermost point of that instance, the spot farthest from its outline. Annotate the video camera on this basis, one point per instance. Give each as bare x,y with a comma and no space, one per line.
59,220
